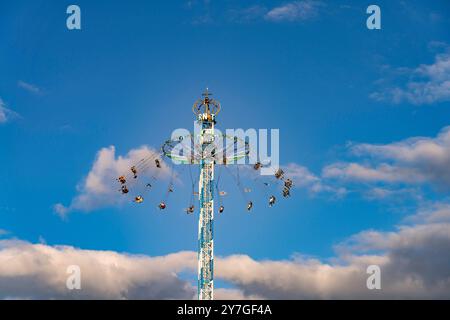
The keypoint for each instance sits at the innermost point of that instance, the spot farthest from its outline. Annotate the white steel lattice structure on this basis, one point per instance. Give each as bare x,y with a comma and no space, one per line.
206,195
205,233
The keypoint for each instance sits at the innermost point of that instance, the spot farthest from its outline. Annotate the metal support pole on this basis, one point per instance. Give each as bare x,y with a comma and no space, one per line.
206,218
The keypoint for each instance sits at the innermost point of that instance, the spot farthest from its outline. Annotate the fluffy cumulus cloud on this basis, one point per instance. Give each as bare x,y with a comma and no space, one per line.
38,271
303,279
417,259
426,84
294,11
397,170
100,188
418,160
414,263
414,260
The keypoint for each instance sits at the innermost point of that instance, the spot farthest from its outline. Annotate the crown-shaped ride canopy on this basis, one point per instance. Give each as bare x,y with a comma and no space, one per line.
206,108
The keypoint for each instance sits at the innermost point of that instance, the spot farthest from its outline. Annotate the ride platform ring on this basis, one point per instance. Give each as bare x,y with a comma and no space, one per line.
225,155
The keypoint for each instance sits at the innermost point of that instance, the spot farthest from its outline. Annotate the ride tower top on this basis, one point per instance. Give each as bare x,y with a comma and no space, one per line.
206,108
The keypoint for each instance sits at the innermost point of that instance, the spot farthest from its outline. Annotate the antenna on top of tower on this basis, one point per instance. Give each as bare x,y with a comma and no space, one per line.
207,93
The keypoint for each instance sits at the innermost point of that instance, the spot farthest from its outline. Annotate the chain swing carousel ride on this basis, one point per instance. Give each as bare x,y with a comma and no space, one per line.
205,150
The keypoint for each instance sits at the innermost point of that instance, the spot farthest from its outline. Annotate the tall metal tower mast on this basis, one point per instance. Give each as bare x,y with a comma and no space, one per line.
206,110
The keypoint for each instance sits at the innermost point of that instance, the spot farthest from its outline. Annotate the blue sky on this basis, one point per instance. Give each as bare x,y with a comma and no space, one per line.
335,89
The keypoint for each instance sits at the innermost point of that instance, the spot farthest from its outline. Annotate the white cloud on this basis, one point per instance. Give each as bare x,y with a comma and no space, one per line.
417,160
383,193
302,177
290,279
417,256
29,87
294,11
414,262
427,84
100,187
436,213
5,113
233,294
38,271
365,173
2,113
